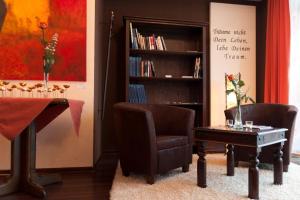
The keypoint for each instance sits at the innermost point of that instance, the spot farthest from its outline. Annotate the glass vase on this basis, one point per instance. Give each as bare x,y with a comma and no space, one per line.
46,80
238,123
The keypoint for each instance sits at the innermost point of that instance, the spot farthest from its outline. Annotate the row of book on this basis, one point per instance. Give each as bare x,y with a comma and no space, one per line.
151,42
141,68
137,94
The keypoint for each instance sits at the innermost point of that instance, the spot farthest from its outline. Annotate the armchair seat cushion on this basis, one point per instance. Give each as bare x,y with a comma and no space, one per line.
170,141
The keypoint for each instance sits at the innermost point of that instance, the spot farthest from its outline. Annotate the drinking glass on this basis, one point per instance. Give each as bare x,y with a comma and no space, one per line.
229,122
249,124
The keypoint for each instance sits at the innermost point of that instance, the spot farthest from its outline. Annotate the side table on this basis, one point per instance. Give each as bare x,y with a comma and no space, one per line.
254,139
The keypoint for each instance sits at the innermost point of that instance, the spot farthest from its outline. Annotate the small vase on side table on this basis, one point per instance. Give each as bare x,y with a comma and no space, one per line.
238,123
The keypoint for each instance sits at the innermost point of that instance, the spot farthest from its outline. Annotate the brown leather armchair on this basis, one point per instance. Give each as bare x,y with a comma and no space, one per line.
153,139
275,115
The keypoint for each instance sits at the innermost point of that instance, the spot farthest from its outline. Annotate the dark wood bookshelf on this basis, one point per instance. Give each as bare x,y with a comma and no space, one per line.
140,52
186,104
178,79
184,42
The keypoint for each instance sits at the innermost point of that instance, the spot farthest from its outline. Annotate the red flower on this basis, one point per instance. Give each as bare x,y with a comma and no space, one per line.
43,25
230,77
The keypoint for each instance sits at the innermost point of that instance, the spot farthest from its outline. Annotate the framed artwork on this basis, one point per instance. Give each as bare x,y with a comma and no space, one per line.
21,51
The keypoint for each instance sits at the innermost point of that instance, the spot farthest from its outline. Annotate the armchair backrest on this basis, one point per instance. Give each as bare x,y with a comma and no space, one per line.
266,114
153,119
275,115
172,120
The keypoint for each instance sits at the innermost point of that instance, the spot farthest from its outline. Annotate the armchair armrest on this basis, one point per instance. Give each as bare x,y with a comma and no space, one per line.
289,119
136,134
289,123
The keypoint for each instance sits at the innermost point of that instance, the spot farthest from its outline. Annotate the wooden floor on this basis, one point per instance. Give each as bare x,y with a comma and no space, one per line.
83,185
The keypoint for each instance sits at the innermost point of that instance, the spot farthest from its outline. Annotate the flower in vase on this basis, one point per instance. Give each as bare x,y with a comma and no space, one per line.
49,48
237,89
43,25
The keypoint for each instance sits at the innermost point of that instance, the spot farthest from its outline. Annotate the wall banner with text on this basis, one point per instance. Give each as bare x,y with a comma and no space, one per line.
232,51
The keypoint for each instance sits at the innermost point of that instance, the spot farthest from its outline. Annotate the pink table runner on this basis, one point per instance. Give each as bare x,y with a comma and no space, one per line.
17,113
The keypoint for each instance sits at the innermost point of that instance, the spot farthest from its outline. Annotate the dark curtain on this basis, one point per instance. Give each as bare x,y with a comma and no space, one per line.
277,52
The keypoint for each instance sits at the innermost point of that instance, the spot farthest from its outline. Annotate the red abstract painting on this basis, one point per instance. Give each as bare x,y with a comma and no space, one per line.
21,51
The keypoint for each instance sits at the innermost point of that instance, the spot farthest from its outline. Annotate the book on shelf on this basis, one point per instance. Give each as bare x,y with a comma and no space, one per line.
153,69
131,34
141,68
152,42
163,43
151,39
133,37
134,63
136,35
159,43
136,93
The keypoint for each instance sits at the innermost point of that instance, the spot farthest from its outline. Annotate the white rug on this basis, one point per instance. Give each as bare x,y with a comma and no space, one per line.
177,185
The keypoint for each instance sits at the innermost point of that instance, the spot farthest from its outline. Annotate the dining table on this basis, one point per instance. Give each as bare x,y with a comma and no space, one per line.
20,121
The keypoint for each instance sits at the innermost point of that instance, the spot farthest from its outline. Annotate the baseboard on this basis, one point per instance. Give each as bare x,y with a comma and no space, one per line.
58,170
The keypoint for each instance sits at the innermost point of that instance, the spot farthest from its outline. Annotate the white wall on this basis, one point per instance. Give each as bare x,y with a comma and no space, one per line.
226,56
294,81
57,144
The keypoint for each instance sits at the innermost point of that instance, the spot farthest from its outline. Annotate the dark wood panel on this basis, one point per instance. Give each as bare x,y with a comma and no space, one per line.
99,26
138,52
134,79
261,24
184,93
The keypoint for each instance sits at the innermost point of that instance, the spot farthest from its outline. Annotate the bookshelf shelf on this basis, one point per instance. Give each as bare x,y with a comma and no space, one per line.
179,79
155,48
186,104
140,52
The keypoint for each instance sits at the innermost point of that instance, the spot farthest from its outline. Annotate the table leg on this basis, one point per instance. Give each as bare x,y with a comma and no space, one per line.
201,165
253,175
12,184
28,142
278,164
41,179
31,182
230,160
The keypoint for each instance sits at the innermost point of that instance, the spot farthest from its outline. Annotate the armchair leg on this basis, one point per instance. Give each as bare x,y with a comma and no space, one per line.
150,179
285,168
186,168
